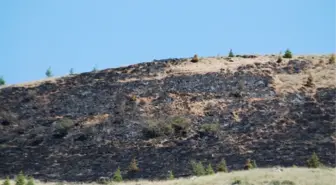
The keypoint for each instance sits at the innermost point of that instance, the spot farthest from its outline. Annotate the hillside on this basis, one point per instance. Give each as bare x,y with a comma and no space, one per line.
167,112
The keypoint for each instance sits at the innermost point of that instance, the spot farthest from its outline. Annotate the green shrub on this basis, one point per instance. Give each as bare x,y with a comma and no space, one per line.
222,166
288,54
171,175
314,161
133,167
332,59
20,179
156,129
254,164
231,53
117,176
6,182
71,72
248,165
211,128
209,170
180,124
30,181
287,182
49,72
63,124
2,81
274,182
197,168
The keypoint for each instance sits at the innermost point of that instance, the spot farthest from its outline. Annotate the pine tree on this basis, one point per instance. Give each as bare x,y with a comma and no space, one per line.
20,179
222,166
117,176
288,54
30,181
209,170
314,161
6,182
2,81
49,72
197,168
231,53
133,167
171,175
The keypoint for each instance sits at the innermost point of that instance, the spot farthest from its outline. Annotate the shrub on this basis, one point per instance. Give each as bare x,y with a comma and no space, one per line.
63,124
156,129
20,179
248,165
171,175
287,182
222,166
211,128
288,54
332,59
254,164
231,53
314,161
197,168
274,182
237,181
6,182
30,181
309,82
71,72
117,176
2,81
180,124
133,98
133,167
49,72
195,58
209,170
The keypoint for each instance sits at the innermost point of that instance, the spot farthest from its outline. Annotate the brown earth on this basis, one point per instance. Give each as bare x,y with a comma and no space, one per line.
168,112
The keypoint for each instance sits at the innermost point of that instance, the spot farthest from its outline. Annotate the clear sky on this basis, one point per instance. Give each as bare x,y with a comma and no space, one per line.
81,34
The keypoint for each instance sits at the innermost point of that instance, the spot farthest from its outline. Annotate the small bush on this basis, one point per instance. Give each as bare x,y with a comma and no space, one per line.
332,59
222,166
314,161
156,129
171,175
231,53
30,181
287,182
71,72
133,167
197,168
2,81
117,176
63,124
6,182
133,98
254,164
195,58
274,182
49,72
310,82
20,179
209,170
211,128
248,165
180,124
288,54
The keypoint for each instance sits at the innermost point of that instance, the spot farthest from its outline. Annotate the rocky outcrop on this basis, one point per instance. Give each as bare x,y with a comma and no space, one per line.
83,127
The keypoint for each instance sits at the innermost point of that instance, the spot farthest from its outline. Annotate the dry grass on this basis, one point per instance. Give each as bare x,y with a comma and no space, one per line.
300,176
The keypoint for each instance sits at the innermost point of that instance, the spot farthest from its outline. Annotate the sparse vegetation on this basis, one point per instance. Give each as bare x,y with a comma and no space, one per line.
209,170
180,124
6,182
197,168
314,161
332,59
310,82
49,72
231,53
117,176
195,58
211,128
30,181
133,167
248,164
222,166
171,175
287,182
2,81
288,54
254,164
20,179
279,60
157,128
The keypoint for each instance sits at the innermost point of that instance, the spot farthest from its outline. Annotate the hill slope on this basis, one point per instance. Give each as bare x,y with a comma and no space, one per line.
168,112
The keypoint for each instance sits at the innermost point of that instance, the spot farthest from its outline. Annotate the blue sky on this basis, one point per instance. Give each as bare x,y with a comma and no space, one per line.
81,34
